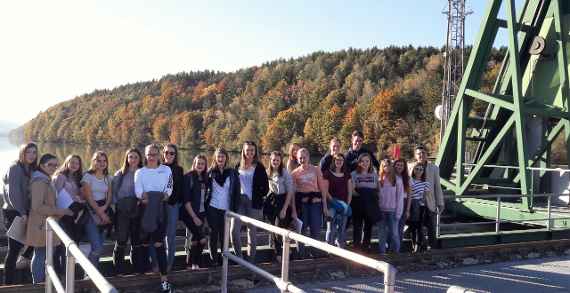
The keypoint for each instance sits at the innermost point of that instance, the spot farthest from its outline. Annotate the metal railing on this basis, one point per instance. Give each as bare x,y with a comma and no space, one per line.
283,282
548,220
73,255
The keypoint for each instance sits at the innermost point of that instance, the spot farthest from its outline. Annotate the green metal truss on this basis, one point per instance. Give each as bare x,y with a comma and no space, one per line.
528,85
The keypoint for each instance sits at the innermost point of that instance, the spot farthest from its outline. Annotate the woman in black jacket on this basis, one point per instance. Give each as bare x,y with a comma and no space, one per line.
194,209
170,159
223,193
254,188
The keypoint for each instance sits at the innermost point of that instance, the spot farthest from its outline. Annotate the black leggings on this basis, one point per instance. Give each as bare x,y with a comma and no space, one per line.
216,220
127,228
281,223
155,238
198,235
14,248
359,220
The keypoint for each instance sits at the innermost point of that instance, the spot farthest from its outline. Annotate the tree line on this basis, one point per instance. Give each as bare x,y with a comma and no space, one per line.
390,94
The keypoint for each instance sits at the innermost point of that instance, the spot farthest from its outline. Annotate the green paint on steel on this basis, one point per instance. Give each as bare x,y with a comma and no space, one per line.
527,85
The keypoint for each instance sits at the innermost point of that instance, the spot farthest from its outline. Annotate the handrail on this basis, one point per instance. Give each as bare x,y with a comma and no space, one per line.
283,283
73,256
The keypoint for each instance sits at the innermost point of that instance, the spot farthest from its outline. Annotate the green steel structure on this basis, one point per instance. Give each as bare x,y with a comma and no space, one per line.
526,111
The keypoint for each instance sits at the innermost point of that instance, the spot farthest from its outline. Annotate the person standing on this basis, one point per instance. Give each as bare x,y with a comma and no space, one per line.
223,194
194,209
96,188
254,188
17,204
433,197
416,207
356,150
170,159
128,216
340,195
364,204
292,161
390,193
153,186
43,198
401,168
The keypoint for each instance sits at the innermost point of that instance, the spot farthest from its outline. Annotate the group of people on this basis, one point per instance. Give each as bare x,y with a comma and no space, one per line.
150,193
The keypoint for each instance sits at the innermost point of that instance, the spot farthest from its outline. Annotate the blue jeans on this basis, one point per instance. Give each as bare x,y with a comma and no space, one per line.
38,265
388,231
312,217
339,212
96,237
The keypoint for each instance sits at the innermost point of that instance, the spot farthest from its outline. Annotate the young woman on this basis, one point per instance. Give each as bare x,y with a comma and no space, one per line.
43,197
194,212
292,161
223,195
17,203
327,159
96,189
364,202
128,217
254,188
282,191
311,193
170,159
401,168
153,186
67,179
391,191
340,195
416,208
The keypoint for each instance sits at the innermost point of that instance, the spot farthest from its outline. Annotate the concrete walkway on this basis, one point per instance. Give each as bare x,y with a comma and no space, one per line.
529,276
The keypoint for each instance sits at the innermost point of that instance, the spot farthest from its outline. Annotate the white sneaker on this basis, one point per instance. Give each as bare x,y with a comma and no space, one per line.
165,287
23,262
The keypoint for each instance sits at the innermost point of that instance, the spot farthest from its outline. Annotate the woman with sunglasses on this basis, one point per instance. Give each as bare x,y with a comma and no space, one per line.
43,196
416,208
170,159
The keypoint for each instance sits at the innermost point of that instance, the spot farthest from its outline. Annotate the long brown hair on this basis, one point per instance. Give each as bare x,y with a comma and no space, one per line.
405,176
270,169
292,159
242,161
195,162
164,150
222,151
370,166
96,155
344,168
64,169
125,167
391,175
28,168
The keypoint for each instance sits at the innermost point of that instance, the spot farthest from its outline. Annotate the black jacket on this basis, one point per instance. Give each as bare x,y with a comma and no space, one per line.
192,191
351,158
260,186
177,195
234,187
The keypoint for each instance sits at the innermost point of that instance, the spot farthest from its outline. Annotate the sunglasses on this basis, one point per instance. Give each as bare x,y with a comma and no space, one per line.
418,168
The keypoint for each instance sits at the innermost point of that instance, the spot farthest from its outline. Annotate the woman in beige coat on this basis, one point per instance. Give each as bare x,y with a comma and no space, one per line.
42,197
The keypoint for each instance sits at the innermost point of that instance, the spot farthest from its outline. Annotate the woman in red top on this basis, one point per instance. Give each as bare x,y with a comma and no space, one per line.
340,196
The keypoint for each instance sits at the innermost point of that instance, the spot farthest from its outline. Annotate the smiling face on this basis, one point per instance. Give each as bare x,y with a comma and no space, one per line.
50,166
133,159
100,163
275,161
303,157
357,142
338,163
151,155
421,156
221,160
399,167
334,147
200,165
364,163
249,152
74,165
169,155
30,155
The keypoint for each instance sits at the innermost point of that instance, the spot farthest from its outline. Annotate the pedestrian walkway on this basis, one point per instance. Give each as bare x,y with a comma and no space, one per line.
548,275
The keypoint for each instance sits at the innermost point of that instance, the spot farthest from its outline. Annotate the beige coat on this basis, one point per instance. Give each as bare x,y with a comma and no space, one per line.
434,196
42,197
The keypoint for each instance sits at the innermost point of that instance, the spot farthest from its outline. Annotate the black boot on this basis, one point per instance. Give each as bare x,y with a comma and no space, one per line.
119,259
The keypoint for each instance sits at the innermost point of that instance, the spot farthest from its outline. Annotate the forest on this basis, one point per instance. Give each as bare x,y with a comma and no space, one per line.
388,93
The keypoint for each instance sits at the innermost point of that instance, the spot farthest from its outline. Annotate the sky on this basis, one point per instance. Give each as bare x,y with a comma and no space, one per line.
51,51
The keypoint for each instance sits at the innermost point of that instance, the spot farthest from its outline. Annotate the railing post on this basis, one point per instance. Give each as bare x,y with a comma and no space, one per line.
437,224
498,217
285,259
49,256
390,279
549,212
69,271
225,251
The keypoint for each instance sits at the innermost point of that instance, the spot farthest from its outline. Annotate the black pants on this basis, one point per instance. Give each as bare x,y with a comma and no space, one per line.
14,248
282,223
216,220
127,228
156,239
198,236
429,219
360,224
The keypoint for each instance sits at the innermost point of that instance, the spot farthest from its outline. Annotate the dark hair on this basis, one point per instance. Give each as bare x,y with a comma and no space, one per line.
405,176
94,158
357,133
420,147
423,178
222,151
64,169
332,166
125,166
28,169
171,145
279,168
194,162
246,143
44,159
153,146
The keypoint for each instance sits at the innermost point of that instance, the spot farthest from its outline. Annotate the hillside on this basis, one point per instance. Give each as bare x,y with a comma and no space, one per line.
389,93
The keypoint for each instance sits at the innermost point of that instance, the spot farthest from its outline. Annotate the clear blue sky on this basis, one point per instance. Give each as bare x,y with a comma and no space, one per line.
54,50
